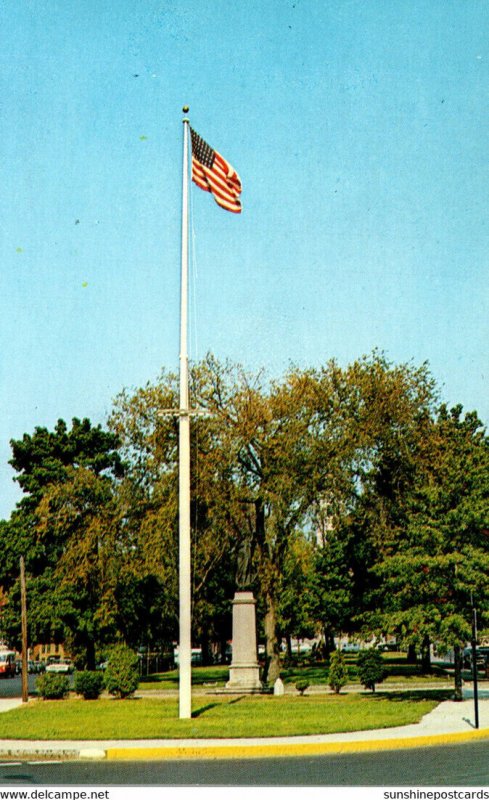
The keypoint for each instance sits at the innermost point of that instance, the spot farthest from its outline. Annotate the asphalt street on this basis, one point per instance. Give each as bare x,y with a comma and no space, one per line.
12,687
449,765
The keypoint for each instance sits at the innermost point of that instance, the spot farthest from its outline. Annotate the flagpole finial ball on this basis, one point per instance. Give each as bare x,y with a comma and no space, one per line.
185,109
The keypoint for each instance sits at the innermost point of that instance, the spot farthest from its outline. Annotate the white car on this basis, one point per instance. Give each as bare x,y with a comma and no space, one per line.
350,647
60,666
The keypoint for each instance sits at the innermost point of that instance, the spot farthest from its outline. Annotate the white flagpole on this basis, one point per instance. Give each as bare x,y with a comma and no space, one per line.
185,618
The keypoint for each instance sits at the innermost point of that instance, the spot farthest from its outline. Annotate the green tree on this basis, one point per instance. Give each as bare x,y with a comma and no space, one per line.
296,608
42,458
263,458
368,425
331,589
80,516
148,431
47,461
252,478
121,676
391,407
272,471
370,668
441,558
338,672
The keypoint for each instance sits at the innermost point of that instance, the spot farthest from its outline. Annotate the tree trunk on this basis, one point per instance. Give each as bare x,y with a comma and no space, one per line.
288,641
269,582
272,647
425,655
205,645
329,644
90,655
457,651
411,655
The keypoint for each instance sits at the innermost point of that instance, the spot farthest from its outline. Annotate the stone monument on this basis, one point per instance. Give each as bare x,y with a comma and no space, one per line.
244,672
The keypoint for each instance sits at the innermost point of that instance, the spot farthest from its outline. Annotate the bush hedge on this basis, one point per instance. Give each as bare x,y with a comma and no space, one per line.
121,675
302,685
370,666
52,686
89,684
338,671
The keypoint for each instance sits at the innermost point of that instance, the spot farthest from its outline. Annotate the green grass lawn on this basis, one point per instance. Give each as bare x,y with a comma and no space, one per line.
200,676
216,717
317,674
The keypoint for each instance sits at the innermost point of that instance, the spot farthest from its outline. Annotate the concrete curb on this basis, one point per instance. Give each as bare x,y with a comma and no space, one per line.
276,750
230,750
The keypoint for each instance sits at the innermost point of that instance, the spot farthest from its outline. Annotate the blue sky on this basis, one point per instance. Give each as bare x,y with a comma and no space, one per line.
359,130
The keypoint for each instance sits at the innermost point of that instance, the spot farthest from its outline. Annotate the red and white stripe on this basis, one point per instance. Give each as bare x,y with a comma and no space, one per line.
221,180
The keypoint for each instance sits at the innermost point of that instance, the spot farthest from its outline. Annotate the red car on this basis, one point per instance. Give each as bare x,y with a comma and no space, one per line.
7,664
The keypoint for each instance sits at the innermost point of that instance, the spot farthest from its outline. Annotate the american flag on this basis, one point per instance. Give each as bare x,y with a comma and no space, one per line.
213,174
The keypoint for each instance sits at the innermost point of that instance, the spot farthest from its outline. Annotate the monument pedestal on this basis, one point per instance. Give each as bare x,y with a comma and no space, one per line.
244,672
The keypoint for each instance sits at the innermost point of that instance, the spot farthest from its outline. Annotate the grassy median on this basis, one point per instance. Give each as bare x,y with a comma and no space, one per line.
212,717
398,672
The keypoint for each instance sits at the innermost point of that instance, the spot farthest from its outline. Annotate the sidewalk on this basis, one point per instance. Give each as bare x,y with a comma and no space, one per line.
448,723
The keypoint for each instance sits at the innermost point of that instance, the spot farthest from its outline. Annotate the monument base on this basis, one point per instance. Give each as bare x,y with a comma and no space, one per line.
244,676
244,672
241,690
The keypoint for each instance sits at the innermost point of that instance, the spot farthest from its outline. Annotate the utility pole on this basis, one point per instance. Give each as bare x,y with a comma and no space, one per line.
474,664
23,598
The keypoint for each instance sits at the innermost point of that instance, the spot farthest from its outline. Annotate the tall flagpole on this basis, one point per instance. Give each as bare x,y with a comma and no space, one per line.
185,618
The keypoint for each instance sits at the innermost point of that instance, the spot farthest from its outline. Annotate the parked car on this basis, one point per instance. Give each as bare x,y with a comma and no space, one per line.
481,654
60,666
196,655
7,664
34,667
351,647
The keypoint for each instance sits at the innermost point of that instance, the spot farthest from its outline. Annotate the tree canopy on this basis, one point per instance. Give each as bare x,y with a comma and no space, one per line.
354,499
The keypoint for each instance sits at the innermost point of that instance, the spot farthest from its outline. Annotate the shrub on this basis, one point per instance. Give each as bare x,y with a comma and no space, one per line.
370,668
52,686
302,685
121,675
338,672
89,684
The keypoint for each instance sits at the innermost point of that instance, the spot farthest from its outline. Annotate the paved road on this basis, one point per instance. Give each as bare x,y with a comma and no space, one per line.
451,765
12,687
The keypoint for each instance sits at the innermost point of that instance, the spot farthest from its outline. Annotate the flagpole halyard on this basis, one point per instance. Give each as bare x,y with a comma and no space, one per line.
184,562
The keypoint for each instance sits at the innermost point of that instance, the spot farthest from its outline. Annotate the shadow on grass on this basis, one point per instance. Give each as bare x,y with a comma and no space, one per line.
317,673
131,698
199,711
236,700
403,670
413,696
